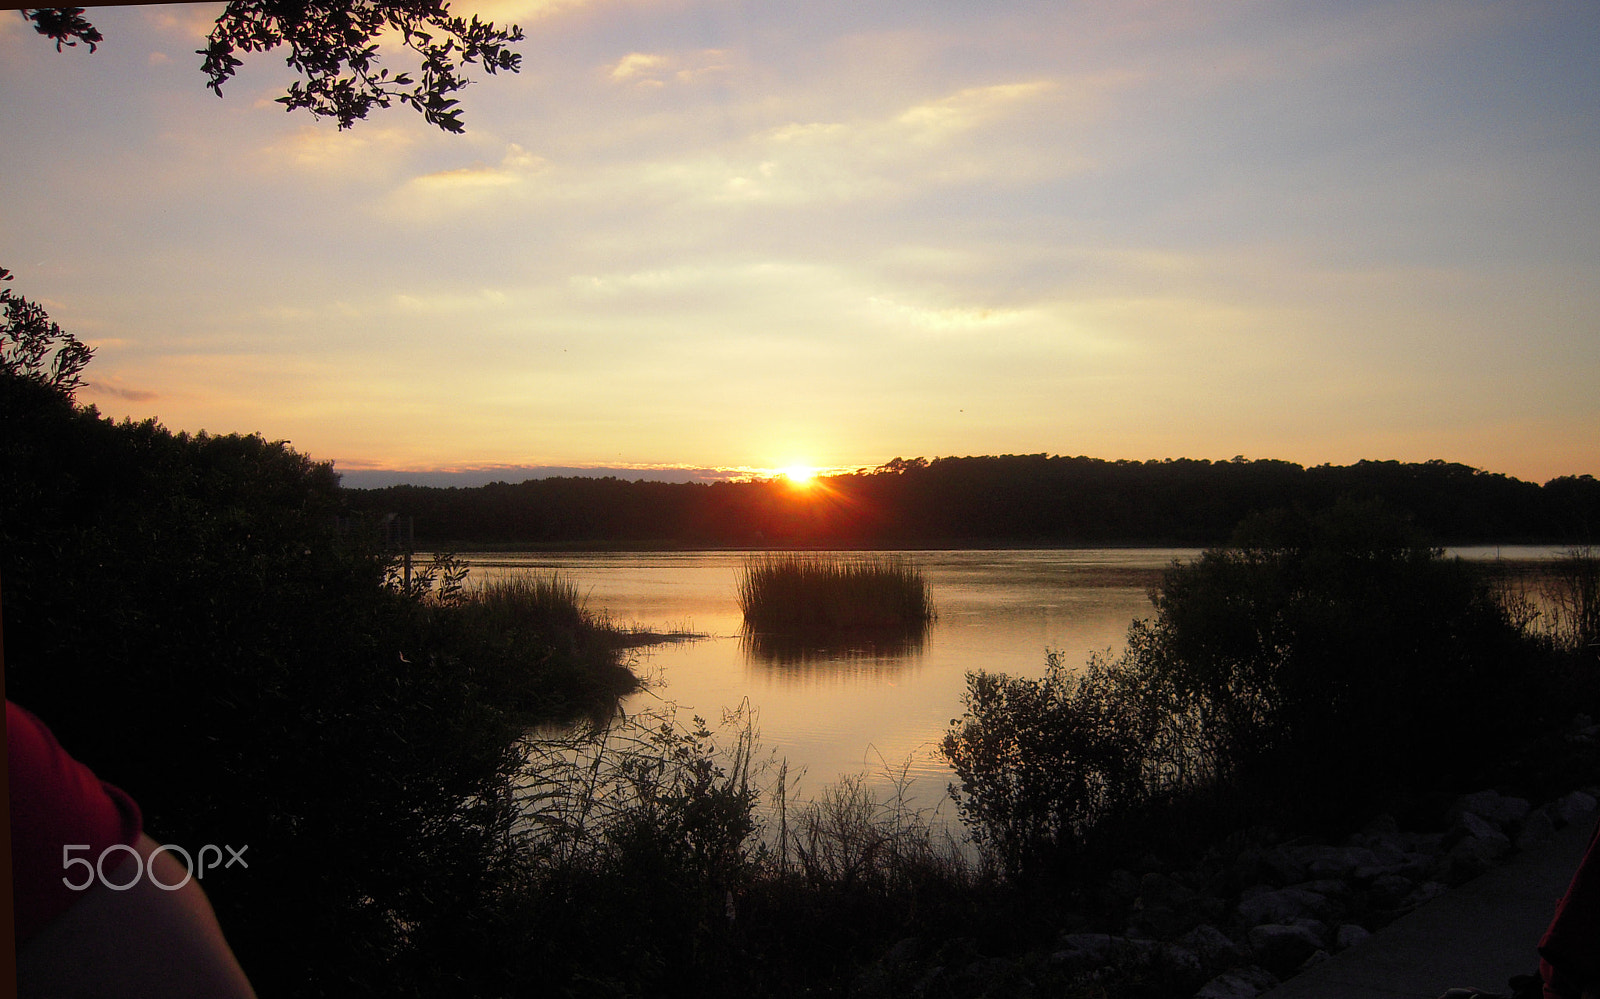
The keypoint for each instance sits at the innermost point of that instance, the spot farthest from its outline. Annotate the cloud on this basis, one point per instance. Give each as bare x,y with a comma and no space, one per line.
429,195
968,109
948,320
930,143
655,69
370,152
359,474
190,22
635,65
111,388
521,12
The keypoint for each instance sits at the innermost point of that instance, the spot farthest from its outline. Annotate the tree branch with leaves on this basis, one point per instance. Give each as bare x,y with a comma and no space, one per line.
32,346
335,47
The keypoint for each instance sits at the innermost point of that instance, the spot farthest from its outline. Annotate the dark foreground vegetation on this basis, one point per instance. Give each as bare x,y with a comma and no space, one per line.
205,622
1011,500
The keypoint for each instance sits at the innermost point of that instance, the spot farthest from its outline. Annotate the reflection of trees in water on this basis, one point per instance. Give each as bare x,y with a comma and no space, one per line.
815,653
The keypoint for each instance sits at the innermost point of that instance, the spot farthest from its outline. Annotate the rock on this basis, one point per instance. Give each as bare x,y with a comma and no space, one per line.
1493,806
1315,959
903,952
1422,843
1336,861
1121,890
1280,906
1163,890
1575,807
991,976
1349,935
1240,983
1424,893
1381,827
891,975
1389,857
1336,890
1536,828
1473,826
1213,947
1092,951
1389,891
1282,949
1281,867
1474,855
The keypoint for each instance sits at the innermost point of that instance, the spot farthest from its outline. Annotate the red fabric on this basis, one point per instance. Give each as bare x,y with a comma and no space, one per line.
1570,948
56,801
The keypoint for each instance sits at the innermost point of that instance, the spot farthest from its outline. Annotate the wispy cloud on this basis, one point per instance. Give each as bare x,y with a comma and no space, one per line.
111,388
658,69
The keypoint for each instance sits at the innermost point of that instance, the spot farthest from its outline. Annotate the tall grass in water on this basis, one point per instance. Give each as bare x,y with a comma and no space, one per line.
794,592
532,602
1572,591
536,647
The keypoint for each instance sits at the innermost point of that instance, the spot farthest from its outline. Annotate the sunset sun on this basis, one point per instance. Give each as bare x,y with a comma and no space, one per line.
800,475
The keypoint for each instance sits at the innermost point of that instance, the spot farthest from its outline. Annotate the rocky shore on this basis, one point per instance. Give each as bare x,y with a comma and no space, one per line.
1242,921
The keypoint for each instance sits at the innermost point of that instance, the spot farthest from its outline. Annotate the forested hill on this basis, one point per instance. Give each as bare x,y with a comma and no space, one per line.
983,501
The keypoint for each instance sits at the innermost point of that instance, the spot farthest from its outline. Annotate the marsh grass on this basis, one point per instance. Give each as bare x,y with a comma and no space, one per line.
537,648
1572,591
810,593
533,602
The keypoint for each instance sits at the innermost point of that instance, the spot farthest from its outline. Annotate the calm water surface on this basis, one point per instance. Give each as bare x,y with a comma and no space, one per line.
864,711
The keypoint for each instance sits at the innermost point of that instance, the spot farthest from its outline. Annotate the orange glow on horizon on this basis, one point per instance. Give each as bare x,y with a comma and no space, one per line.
802,476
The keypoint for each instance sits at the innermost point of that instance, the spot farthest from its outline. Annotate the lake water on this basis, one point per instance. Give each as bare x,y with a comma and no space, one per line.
833,712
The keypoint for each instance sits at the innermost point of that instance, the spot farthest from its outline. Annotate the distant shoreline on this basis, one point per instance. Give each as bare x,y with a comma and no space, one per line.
490,547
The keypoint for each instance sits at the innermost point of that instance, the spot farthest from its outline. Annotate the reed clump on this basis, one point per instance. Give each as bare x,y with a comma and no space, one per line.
531,601
536,647
807,592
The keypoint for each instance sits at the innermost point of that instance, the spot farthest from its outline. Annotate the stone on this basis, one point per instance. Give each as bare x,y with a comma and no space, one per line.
1315,959
1536,828
1121,890
1381,827
1213,947
1575,807
1349,935
1389,891
1281,867
1493,806
1091,951
1163,890
1337,861
1335,890
1240,983
1474,826
1475,855
1282,949
1280,906
1423,894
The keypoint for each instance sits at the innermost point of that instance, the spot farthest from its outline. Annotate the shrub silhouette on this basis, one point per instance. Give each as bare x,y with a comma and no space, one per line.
1322,660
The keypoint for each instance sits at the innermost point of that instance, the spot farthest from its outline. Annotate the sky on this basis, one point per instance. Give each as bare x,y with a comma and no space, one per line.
703,237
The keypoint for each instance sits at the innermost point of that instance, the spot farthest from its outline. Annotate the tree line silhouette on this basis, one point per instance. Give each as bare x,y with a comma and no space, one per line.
1005,500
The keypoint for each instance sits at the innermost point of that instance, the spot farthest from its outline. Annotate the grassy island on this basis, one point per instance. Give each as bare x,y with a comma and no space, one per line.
807,592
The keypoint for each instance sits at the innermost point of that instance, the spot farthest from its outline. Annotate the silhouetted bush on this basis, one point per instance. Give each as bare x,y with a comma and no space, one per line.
1319,663
185,613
